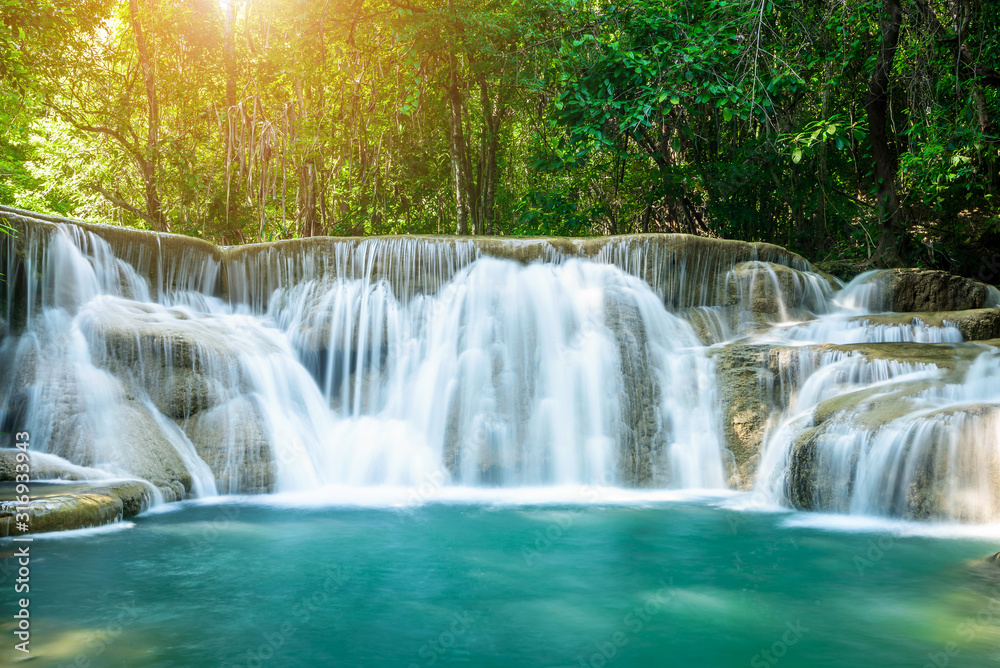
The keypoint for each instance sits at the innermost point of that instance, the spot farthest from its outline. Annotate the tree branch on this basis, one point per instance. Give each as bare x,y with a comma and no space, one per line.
100,129
970,67
119,202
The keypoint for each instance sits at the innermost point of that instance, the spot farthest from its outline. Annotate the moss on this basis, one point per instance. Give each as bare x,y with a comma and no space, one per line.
951,356
974,324
750,388
932,290
57,507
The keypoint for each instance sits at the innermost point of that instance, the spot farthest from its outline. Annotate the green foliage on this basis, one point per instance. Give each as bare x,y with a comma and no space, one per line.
739,118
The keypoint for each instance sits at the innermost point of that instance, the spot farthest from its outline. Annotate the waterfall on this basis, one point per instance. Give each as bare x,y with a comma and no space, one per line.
652,361
379,362
868,435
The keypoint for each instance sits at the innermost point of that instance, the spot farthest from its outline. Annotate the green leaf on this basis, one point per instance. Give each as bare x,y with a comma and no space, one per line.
797,156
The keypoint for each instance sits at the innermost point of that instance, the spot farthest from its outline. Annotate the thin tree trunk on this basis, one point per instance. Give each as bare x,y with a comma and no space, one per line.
892,225
456,143
148,162
490,148
230,60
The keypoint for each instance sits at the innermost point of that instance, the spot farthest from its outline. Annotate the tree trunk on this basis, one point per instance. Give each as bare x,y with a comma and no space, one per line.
891,223
148,162
488,160
456,143
307,199
230,60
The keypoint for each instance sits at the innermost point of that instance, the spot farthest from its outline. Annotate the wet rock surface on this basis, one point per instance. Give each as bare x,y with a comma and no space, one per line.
932,290
177,381
233,440
974,324
68,506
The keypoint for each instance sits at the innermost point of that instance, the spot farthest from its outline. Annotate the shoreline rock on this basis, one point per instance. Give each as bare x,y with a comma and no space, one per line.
68,506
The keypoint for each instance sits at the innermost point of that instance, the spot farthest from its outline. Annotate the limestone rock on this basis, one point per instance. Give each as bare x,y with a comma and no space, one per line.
233,440
950,356
43,466
974,324
75,506
754,382
123,437
643,440
769,288
932,290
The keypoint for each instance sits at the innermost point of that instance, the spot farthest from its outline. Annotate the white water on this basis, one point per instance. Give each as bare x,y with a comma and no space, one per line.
388,365
506,375
939,431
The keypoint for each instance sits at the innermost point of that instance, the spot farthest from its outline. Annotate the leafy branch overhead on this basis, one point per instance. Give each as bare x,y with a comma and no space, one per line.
865,130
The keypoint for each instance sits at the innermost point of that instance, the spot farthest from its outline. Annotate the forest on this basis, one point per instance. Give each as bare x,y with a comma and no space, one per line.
862,132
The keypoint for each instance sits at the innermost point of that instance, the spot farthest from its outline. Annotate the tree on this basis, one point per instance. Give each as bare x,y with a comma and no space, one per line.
891,217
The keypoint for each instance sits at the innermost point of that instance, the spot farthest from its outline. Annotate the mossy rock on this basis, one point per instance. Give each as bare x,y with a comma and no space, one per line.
161,258
806,485
139,445
950,356
974,324
754,383
233,440
58,507
822,473
43,466
874,406
686,270
930,290
770,288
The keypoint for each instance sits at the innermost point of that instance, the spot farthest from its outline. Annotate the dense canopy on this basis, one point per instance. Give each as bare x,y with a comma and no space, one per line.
860,130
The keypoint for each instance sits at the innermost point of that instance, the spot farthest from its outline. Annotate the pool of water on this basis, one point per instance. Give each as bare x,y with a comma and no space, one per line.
693,582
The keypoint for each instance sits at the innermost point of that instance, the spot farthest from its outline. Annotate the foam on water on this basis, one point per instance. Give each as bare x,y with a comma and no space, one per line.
359,371
854,524
386,496
88,532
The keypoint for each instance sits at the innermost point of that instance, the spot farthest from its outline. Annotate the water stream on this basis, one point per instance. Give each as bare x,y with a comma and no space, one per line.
394,362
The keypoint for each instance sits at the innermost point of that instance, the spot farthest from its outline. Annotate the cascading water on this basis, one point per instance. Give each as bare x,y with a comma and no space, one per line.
887,438
353,372
397,362
873,436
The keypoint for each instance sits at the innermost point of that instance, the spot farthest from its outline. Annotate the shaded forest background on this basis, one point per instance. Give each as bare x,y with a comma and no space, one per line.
861,131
